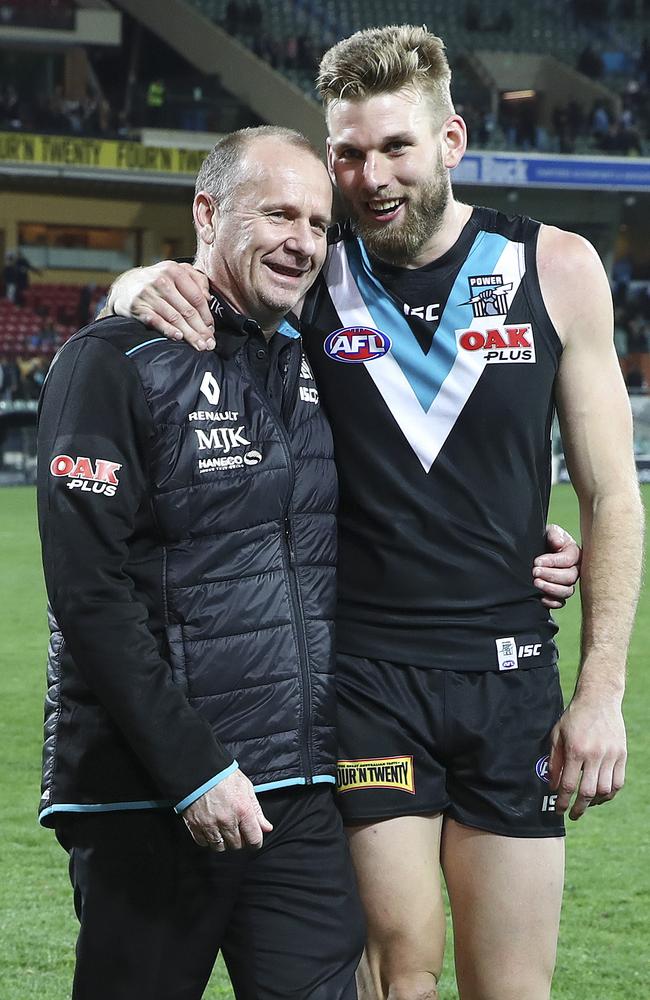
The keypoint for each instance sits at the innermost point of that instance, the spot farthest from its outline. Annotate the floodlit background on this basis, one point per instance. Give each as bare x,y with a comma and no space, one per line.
106,111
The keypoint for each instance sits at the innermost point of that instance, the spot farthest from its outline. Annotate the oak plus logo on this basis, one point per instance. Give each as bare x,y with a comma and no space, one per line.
90,475
499,344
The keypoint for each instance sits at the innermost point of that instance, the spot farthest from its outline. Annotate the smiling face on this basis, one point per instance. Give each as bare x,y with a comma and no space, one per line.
390,161
263,247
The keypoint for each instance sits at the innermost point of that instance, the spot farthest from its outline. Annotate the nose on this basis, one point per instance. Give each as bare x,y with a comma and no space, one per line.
301,240
375,175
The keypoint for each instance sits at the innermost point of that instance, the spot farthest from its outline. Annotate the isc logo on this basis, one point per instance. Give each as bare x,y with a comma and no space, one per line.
356,344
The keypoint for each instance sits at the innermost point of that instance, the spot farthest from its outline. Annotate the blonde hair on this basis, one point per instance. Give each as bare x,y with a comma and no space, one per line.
383,60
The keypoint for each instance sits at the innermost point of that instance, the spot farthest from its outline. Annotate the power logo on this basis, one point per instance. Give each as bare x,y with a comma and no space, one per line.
96,475
376,772
500,344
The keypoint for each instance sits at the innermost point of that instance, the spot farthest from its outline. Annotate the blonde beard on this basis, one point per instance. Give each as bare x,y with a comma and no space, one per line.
399,244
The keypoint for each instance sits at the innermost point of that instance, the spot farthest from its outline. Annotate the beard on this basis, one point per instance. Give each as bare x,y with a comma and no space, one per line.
401,242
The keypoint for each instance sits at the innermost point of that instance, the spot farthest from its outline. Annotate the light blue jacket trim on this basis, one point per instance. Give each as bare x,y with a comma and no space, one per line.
97,807
270,785
193,796
287,330
156,340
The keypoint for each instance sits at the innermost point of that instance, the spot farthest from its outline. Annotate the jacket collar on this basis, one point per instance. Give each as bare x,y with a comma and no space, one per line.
231,328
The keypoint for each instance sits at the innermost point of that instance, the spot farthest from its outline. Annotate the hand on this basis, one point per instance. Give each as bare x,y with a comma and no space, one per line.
588,753
169,297
556,572
228,816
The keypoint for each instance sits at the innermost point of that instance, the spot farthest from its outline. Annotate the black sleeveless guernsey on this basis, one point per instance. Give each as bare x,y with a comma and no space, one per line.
438,383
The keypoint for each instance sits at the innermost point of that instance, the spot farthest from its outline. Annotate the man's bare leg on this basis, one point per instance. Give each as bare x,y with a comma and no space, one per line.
505,895
397,862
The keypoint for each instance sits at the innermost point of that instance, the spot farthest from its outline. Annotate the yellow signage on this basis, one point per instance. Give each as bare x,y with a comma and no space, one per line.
376,772
105,154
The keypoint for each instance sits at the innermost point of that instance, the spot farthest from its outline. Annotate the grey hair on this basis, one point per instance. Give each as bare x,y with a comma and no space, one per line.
220,173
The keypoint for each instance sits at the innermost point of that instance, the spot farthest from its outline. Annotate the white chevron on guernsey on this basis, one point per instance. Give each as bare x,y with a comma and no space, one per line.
425,430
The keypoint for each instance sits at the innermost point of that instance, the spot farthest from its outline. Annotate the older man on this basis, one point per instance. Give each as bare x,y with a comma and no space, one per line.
187,512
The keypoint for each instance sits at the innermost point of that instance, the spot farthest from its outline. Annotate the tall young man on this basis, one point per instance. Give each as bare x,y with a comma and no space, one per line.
442,338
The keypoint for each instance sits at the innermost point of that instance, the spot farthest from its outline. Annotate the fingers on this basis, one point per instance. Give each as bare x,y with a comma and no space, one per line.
174,303
563,551
595,781
265,825
557,585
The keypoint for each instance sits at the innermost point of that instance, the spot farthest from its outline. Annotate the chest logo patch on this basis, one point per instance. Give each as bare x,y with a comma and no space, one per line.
488,295
499,344
357,344
376,772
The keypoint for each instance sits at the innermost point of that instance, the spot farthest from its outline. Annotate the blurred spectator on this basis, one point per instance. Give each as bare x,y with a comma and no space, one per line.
600,122
637,336
156,103
634,380
23,268
9,378
85,298
10,276
473,17
590,63
621,337
621,277
233,17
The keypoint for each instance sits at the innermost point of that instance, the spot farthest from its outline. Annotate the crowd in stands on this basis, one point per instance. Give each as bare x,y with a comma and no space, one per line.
34,322
159,102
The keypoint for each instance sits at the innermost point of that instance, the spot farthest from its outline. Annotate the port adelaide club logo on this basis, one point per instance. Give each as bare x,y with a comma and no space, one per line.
499,343
356,345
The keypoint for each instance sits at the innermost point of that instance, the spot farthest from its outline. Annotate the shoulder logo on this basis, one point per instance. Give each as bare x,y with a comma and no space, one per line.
488,295
357,344
90,475
210,389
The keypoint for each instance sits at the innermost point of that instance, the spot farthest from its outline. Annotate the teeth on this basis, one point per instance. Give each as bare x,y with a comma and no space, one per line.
383,206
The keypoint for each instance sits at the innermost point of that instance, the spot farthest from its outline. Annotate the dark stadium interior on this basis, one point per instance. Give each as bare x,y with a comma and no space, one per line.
554,77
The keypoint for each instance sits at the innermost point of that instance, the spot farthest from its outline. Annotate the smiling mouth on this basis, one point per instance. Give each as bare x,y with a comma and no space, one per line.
286,270
385,208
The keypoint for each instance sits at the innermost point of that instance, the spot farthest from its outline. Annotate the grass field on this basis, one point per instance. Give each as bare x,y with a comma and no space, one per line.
604,949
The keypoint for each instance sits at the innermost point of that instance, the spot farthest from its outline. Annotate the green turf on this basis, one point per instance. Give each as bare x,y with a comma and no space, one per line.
603,951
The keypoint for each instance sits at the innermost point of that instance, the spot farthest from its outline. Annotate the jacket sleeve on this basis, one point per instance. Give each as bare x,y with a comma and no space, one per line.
94,428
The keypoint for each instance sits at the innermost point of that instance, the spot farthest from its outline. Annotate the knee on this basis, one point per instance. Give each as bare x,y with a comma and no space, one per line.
413,986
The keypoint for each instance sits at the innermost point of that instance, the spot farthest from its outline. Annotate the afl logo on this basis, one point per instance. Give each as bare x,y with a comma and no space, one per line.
541,768
356,344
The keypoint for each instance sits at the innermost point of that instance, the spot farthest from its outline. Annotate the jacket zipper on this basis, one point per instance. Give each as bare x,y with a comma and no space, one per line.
298,617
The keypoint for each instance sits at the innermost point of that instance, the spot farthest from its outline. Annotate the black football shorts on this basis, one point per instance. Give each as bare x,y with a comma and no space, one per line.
472,745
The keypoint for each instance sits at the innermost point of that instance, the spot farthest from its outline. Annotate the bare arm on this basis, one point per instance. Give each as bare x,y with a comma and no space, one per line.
169,297
588,743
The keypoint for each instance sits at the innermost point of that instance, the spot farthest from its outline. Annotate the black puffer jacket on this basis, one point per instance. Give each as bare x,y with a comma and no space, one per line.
187,512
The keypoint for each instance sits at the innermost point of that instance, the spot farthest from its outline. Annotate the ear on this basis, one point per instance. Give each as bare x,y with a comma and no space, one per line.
454,141
204,212
330,162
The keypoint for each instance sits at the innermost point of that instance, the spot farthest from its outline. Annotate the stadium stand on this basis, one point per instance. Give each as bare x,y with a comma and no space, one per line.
167,90
292,34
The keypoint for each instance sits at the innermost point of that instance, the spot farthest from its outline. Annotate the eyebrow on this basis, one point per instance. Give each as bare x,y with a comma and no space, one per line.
386,141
